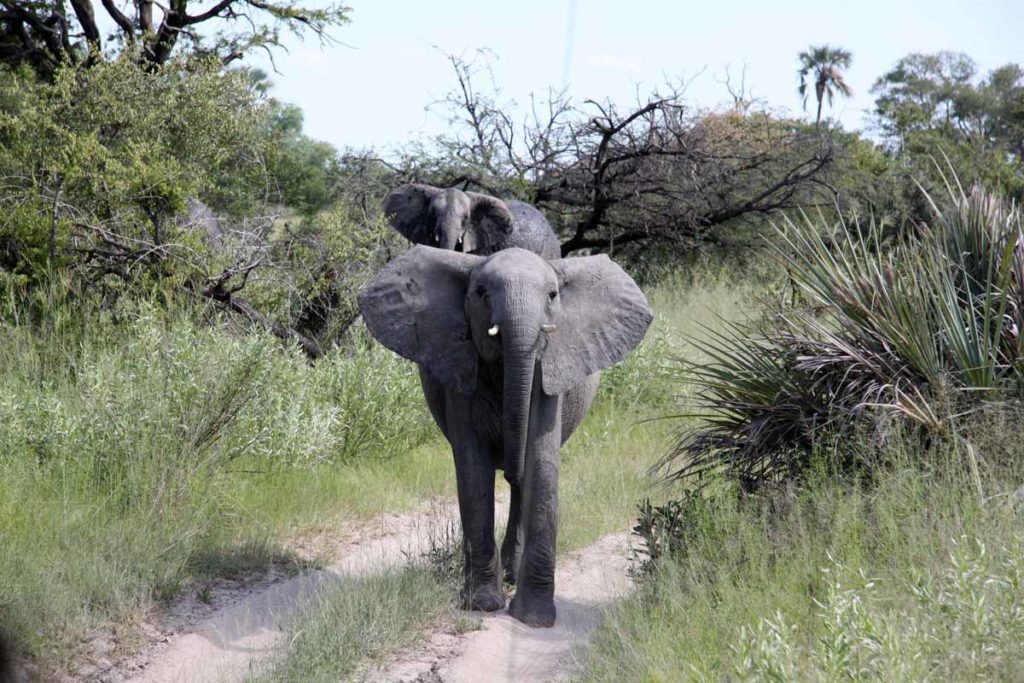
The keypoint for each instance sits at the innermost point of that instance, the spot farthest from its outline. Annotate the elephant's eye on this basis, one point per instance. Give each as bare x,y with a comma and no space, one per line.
552,296
480,291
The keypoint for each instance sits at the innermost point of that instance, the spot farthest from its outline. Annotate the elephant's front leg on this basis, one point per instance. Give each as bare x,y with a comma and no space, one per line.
474,473
512,545
534,601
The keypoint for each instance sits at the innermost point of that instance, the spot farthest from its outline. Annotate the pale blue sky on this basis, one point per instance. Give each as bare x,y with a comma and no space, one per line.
372,89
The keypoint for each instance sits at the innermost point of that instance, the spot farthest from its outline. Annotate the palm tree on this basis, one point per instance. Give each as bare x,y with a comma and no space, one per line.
822,64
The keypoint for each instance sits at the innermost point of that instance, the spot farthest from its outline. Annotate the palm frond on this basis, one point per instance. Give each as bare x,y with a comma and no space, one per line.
887,331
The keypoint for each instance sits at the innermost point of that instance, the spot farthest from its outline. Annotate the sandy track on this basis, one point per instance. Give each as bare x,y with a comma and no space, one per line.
586,584
224,643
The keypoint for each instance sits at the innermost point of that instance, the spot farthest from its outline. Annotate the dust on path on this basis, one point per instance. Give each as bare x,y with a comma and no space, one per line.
225,641
198,643
586,584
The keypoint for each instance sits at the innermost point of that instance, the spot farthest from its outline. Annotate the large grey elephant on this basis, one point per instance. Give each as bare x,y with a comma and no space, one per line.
468,221
509,347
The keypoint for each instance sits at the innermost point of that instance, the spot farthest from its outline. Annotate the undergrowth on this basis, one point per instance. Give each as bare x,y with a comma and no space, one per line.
141,454
913,578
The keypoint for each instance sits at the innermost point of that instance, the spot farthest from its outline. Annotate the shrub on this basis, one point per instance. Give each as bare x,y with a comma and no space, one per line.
967,621
140,442
915,332
99,164
665,530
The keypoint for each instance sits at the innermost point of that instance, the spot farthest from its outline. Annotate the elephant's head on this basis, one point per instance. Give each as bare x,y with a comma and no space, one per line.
448,218
445,310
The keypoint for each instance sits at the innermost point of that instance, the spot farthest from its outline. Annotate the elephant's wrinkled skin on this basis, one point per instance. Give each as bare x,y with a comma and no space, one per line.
468,221
509,347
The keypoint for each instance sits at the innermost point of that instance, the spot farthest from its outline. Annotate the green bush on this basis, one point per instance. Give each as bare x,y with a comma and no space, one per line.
133,449
97,165
665,530
917,332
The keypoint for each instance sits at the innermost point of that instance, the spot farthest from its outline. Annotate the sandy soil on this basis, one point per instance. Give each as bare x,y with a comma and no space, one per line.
224,636
586,584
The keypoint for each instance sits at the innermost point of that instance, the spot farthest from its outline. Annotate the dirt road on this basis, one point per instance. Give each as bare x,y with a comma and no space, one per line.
224,642
586,584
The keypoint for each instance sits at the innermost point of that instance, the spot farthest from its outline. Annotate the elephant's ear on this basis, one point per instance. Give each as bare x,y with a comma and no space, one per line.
416,308
604,316
406,208
491,221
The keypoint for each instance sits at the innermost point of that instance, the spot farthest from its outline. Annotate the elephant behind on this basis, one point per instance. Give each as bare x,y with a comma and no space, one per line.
469,222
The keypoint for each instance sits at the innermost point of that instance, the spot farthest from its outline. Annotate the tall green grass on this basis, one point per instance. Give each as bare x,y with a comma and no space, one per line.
356,621
882,403
915,578
148,447
142,454
606,465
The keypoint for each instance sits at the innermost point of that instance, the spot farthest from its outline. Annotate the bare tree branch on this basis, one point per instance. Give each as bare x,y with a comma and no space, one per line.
609,176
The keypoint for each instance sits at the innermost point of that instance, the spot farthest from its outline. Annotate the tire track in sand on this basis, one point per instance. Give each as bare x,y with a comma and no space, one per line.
587,583
227,644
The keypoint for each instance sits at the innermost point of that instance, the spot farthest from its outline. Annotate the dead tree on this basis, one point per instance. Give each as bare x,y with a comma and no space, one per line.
608,176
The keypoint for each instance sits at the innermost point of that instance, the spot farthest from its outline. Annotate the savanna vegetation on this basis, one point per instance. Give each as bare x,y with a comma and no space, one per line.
837,356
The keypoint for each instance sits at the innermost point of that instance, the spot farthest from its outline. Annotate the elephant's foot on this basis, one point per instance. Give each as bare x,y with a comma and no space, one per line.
535,609
486,598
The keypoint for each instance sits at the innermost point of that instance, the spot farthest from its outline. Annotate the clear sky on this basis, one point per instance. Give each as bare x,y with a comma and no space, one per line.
374,86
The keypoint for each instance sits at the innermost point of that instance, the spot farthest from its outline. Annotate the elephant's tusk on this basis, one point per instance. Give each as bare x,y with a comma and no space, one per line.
547,327
492,331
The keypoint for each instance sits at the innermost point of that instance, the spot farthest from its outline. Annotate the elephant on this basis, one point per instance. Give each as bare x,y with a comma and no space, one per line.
468,221
509,348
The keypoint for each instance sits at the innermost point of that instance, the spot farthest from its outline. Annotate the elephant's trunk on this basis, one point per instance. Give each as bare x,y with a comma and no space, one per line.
451,239
519,355
451,232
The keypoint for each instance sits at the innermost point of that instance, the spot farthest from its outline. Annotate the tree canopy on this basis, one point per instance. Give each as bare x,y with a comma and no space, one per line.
614,177
47,33
934,105
942,92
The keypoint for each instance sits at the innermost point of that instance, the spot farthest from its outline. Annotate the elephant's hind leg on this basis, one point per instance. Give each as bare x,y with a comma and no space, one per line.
481,573
512,545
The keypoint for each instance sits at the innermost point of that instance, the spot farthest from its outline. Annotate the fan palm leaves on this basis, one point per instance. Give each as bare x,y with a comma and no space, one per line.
912,331
821,68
